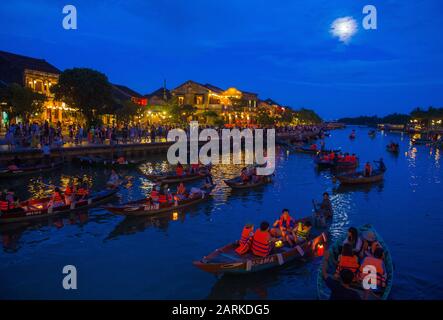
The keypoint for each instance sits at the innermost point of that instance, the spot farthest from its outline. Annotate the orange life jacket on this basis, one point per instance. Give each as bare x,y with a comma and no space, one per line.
154,194
163,199
313,147
346,262
4,205
260,243
353,159
245,241
332,156
347,158
379,266
58,197
82,192
368,169
179,171
287,222
69,191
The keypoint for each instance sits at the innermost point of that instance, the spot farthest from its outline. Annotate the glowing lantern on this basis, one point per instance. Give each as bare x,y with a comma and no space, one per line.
175,216
320,249
278,244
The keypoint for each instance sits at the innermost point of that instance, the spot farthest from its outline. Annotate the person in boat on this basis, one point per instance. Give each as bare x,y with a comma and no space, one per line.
340,288
367,170
244,175
114,179
332,156
377,262
121,160
209,180
254,177
179,169
181,192
324,212
262,241
154,195
195,168
353,158
354,240
196,193
370,244
83,191
70,192
313,147
4,205
347,260
302,231
347,158
56,199
8,200
244,244
15,164
381,165
283,227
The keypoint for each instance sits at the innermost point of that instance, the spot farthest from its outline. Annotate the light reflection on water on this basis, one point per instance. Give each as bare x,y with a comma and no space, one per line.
97,240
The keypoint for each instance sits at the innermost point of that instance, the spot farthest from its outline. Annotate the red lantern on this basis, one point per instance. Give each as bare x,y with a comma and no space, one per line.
320,249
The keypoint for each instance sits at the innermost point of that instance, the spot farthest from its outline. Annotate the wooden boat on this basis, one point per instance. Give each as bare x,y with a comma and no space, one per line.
236,183
226,260
313,151
107,163
392,148
38,208
338,165
359,178
171,177
25,170
323,163
344,165
421,141
334,251
141,207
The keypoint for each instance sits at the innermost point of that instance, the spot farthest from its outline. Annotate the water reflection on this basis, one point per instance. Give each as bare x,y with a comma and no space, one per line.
413,177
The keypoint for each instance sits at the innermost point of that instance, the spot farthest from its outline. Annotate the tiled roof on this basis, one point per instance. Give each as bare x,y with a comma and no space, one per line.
13,65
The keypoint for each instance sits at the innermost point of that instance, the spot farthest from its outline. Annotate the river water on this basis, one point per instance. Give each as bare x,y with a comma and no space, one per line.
151,257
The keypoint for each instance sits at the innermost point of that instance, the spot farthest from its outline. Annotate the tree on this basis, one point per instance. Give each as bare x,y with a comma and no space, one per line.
23,101
85,89
308,116
127,110
264,119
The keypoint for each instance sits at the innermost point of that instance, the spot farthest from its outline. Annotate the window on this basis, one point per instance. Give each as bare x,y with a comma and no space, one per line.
181,100
198,99
39,86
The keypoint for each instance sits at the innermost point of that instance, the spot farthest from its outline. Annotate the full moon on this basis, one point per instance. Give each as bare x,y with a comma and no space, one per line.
344,28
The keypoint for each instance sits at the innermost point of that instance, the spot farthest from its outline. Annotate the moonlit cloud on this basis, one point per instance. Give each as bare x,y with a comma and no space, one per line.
344,28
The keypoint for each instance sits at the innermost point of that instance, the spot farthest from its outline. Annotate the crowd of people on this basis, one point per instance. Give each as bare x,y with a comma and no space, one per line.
284,231
36,135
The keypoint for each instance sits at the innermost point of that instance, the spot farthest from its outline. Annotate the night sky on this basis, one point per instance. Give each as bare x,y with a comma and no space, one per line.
280,49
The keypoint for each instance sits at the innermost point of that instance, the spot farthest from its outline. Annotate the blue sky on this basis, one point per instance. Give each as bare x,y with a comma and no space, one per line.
279,49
